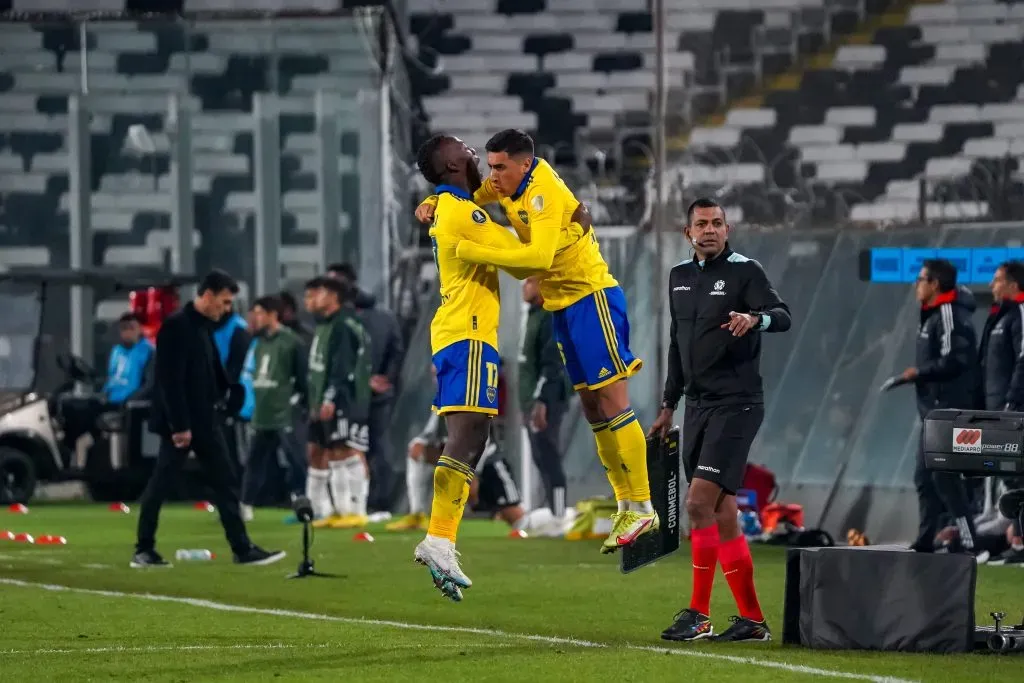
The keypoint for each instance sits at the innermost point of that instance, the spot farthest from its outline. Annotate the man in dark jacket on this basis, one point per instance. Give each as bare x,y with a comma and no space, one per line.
1001,352
543,395
290,318
945,376
192,390
721,304
387,351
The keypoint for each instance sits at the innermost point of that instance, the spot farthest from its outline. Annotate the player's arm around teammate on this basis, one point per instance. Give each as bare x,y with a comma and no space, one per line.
588,307
720,304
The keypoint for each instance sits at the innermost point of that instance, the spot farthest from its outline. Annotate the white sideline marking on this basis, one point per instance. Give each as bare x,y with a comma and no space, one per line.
493,633
191,648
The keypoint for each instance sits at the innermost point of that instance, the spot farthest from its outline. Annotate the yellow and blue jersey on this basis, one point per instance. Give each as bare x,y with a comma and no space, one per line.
588,306
464,331
565,255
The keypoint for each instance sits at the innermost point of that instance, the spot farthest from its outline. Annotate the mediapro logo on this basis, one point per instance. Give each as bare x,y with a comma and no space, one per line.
967,441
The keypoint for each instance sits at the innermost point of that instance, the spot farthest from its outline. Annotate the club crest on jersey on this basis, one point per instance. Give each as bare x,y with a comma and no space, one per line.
537,203
524,217
492,394
719,288
479,217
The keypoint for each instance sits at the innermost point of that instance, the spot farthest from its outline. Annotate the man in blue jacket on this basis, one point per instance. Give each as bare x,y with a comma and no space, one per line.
128,378
232,339
128,363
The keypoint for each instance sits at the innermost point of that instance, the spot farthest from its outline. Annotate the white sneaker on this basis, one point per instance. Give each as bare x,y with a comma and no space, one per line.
246,511
442,559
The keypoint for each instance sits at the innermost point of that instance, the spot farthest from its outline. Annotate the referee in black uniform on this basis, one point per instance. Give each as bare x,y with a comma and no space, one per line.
191,395
720,302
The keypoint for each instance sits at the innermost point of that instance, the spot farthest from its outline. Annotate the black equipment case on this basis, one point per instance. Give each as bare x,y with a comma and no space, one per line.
974,442
879,598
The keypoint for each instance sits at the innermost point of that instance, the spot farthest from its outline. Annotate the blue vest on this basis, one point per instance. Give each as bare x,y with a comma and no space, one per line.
248,370
222,336
125,370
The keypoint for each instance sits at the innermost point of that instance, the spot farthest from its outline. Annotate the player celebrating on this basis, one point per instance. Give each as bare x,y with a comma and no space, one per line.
720,303
339,405
589,309
464,344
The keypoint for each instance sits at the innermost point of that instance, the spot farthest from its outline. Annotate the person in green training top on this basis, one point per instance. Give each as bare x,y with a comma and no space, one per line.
339,408
277,368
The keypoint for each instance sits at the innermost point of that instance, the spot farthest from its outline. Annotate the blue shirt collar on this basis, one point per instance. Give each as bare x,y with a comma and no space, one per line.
451,189
526,181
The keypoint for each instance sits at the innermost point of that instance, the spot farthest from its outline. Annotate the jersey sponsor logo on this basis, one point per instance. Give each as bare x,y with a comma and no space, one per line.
263,379
524,217
719,288
316,356
709,468
537,203
966,440
479,217
681,288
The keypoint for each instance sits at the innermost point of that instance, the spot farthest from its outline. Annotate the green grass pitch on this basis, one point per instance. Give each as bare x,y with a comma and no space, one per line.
539,610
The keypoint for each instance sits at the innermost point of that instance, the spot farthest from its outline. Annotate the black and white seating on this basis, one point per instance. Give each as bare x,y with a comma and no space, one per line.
130,70
581,74
937,103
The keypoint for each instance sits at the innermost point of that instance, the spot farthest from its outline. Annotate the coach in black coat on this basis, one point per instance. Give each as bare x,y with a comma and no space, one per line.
945,376
191,393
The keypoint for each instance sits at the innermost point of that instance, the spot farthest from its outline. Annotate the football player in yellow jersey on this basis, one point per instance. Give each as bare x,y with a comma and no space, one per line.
589,309
464,344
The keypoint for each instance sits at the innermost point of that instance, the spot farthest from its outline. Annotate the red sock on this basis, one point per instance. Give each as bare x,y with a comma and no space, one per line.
738,567
704,550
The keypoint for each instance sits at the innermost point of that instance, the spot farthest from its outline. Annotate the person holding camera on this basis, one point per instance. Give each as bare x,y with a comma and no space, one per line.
191,396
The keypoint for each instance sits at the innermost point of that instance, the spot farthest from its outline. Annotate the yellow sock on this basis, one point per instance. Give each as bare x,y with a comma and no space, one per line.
631,445
451,491
608,452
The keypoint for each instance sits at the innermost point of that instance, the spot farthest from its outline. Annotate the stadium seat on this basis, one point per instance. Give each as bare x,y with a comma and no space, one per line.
130,70
936,100
582,71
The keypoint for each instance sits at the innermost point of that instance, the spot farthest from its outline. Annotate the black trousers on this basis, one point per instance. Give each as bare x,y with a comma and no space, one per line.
940,494
263,450
212,453
234,439
547,456
379,456
79,415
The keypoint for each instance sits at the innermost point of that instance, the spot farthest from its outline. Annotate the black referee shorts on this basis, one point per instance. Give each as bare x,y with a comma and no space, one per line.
717,440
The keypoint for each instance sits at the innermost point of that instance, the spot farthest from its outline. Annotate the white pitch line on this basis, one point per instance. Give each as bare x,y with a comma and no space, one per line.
492,633
120,649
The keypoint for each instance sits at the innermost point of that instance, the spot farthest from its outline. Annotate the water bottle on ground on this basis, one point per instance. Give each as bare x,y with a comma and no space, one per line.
193,555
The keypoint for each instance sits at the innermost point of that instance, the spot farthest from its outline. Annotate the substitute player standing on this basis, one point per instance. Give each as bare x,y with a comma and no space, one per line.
720,303
464,344
339,404
589,312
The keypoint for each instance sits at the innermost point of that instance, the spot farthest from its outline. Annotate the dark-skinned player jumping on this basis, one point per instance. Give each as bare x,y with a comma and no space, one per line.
721,303
464,344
